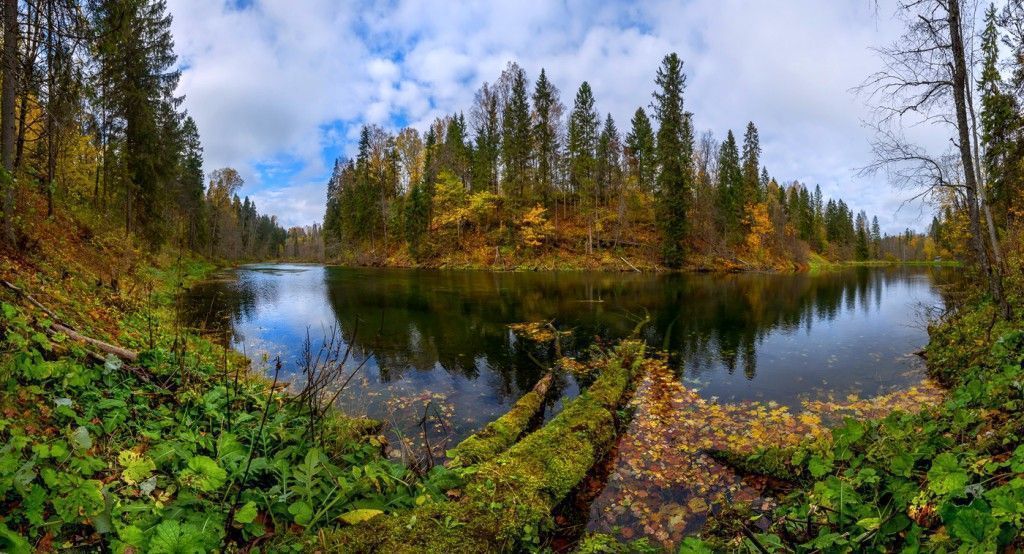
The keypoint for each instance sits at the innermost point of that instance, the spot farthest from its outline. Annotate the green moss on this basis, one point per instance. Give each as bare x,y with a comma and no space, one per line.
501,433
773,462
509,499
602,543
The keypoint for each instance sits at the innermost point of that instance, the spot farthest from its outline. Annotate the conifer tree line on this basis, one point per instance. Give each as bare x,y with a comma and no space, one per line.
89,120
519,172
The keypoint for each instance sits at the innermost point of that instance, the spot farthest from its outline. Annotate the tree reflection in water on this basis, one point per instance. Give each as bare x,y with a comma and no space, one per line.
445,334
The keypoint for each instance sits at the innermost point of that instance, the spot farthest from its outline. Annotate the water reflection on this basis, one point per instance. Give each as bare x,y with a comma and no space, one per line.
736,337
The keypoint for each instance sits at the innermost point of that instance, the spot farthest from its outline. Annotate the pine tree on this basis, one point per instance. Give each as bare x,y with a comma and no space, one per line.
674,152
640,150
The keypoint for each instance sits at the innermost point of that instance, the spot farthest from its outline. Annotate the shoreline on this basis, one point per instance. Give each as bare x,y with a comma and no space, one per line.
810,268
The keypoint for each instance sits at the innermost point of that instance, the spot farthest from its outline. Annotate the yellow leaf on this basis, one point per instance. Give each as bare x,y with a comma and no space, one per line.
358,516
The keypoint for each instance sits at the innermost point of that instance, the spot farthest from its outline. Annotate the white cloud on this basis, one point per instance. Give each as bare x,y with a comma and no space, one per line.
271,82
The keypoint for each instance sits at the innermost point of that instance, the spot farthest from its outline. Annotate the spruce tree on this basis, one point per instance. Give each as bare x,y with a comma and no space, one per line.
582,146
876,237
608,154
515,137
674,153
730,180
1000,122
136,48
487,140
545,136
190,186
750,190
640,148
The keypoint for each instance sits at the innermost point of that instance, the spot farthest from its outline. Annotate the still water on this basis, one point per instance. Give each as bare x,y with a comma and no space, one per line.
442,337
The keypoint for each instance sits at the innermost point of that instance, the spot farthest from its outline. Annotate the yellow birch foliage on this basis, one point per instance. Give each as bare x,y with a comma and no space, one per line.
536,228
758,225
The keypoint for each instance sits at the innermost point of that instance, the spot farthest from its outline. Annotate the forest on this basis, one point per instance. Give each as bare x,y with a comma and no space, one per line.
179,370
525,176
91,122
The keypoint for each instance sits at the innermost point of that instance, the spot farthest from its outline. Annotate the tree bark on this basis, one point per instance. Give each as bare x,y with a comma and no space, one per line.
51,102
7,99
961,84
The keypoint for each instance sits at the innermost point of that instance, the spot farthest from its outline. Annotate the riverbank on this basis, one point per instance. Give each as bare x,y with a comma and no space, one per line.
614,263
949,477
168,443
181,448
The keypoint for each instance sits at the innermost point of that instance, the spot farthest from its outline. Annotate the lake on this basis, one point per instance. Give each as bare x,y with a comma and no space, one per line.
441,337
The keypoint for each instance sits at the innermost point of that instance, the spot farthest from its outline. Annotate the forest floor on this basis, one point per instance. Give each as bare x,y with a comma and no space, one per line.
175,444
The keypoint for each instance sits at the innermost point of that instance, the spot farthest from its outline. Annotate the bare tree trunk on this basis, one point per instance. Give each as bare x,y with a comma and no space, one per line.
960,90
33,34
51,102
19,148
999,268
7,99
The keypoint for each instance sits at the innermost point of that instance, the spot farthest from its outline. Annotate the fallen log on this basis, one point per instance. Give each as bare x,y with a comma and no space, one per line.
106,347
503,432
63,327
511,496
19,292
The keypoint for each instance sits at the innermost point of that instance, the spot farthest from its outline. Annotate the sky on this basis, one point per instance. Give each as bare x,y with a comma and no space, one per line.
280,88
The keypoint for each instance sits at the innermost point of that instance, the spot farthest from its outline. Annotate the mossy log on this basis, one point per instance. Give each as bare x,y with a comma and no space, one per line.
508,499
503,432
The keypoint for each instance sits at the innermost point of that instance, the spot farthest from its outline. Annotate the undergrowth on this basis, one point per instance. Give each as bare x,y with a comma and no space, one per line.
183,451
950,478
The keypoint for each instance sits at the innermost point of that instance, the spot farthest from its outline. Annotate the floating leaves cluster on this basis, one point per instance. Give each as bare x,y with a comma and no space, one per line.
541,332
663,483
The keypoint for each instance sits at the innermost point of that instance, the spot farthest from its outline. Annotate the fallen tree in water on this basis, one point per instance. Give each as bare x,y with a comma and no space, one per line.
508,500
503,432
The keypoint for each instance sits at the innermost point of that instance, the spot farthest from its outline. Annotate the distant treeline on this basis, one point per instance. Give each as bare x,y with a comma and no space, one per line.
522,173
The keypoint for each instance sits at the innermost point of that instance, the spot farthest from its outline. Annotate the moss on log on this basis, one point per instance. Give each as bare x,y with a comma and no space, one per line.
508,499
503,432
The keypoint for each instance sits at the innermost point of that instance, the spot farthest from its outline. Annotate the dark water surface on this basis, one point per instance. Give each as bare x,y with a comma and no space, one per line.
443,335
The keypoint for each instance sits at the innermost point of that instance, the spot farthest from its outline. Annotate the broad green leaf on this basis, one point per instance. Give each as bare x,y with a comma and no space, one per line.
247,513
137,468
81,439
301,511
203,474
870,523
819,466
946,476
172,537
12,542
